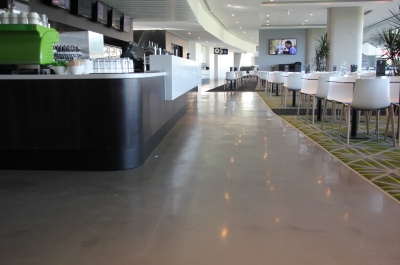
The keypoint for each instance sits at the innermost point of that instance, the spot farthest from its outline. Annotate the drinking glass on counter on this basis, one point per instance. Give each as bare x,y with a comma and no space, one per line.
118,65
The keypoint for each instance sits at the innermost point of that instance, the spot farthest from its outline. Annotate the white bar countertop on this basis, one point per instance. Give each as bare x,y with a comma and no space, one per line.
182,74
89,76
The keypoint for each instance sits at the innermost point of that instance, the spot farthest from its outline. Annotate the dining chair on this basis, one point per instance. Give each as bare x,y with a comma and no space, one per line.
322,92
238,79
250,75
278,79
340,90
230,77
255,76
244,76
264,77
269,82
369,95
394,100
293,83
308,88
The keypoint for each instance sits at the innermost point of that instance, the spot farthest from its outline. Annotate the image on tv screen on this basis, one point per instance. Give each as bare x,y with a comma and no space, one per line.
282,46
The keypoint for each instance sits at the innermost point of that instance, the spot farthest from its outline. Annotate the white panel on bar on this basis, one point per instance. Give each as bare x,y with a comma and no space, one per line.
182,74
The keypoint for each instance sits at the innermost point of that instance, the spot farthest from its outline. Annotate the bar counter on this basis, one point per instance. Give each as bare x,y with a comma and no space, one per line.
85,122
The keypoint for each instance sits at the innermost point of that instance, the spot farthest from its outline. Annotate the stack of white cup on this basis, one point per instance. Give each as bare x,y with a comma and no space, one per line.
33,18
23,18
13,18
4,18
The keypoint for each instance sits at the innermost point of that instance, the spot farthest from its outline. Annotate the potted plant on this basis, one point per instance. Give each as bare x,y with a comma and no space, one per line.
391,42
321,53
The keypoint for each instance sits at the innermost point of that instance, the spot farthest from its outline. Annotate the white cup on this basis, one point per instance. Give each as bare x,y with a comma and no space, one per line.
13,17
33,15
23,18
4,18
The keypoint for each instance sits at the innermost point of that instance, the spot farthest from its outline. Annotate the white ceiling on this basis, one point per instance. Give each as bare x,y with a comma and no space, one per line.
243,18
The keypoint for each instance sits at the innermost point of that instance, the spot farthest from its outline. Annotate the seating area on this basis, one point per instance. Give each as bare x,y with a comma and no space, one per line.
325,96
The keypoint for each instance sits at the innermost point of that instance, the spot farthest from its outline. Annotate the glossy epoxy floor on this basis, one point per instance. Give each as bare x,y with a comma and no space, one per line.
230,184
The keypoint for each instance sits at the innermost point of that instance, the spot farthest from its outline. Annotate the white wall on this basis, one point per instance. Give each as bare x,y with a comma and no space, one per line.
224,62
247,59
265,60
195,52
175,39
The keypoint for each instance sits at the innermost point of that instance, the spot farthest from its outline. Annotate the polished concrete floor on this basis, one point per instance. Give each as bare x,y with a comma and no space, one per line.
230,184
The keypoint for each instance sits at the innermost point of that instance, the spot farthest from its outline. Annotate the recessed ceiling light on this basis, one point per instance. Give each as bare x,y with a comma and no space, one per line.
302,23
199,37
240,27
206,40
237,22
244,31
214,44
252,38
229,4
267,15
233,15
189,33
306,20
267,24
311,14
267,20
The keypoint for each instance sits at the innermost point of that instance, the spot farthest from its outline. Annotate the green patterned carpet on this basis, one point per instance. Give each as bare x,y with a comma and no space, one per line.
378,161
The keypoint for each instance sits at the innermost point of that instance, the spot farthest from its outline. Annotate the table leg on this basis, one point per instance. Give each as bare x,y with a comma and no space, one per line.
319,107
294,98
354,127
277,90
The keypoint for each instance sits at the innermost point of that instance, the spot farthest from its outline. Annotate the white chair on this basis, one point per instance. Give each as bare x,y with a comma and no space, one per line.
244,75
263,77
255,76
369,94
230,77
238,79
278,79
322,92
394,100
340,90
294,83
308,88
269,82
250,75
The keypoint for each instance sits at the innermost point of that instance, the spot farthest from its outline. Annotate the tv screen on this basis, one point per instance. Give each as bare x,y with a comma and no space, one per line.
100,12
61,3
283,46
114,18
126,26
82,8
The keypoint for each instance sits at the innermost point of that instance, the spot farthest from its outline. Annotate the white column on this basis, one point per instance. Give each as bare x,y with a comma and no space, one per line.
345,34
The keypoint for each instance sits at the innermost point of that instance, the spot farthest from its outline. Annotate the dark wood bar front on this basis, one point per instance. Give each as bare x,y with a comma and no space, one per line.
85,124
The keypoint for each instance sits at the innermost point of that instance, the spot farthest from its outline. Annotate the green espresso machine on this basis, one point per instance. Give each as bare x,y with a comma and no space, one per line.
27,46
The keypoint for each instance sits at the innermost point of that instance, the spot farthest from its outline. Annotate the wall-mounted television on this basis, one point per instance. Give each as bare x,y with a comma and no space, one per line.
100,12
82,8
61,3
126,23
114,18
283,46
